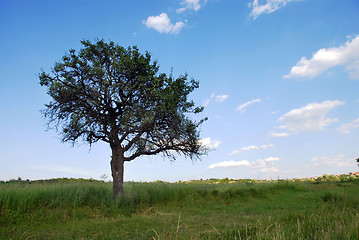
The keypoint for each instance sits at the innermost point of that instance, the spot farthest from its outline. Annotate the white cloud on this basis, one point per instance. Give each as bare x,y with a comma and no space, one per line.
324,59
346,128
264,165
229,164
162,23
269,170
217,98
209,143
311,117
269,7
272,159
242,108
191,5
278,135
221,98
249,148
333,161
234,152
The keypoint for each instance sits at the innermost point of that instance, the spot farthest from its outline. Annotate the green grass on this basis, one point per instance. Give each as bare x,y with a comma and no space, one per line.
72,209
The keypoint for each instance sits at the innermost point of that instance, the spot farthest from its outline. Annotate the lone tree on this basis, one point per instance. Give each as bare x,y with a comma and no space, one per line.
114,94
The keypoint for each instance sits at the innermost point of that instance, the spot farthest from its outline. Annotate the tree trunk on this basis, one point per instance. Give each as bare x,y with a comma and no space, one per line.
117,167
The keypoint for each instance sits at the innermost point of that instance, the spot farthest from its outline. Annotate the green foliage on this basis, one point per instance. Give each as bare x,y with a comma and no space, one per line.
327,177
114,94
105,92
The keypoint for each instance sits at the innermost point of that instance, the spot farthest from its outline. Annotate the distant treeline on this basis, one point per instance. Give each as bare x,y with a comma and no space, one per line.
326,177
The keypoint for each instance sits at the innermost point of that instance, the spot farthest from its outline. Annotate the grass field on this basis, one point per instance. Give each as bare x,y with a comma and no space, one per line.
223,209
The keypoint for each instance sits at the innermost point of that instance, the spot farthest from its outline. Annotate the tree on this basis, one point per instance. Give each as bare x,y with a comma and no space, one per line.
114,94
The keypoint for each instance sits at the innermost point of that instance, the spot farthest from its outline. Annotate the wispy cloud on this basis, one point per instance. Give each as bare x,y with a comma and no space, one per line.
191,5
266,165
229,164
275,112
312,117
261,165
346,55
268,7
162,23
221,98
216,98
332,161
269,170
250,148
242,107
347,128
207,102
279,135
209,143
265,162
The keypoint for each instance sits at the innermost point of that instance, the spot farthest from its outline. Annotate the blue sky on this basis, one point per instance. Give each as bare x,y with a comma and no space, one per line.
279,80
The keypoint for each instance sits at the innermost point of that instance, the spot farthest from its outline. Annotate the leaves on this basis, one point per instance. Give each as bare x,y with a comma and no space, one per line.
115,94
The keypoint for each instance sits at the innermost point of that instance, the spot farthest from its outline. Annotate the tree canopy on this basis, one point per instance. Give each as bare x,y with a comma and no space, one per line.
114,94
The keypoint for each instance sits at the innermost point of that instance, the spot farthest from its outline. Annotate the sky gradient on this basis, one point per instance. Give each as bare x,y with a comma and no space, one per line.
279,80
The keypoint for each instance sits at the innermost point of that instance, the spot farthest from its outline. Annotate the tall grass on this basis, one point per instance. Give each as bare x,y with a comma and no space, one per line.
199,210
19,200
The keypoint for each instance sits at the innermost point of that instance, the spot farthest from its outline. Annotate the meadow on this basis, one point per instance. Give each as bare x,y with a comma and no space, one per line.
326,208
